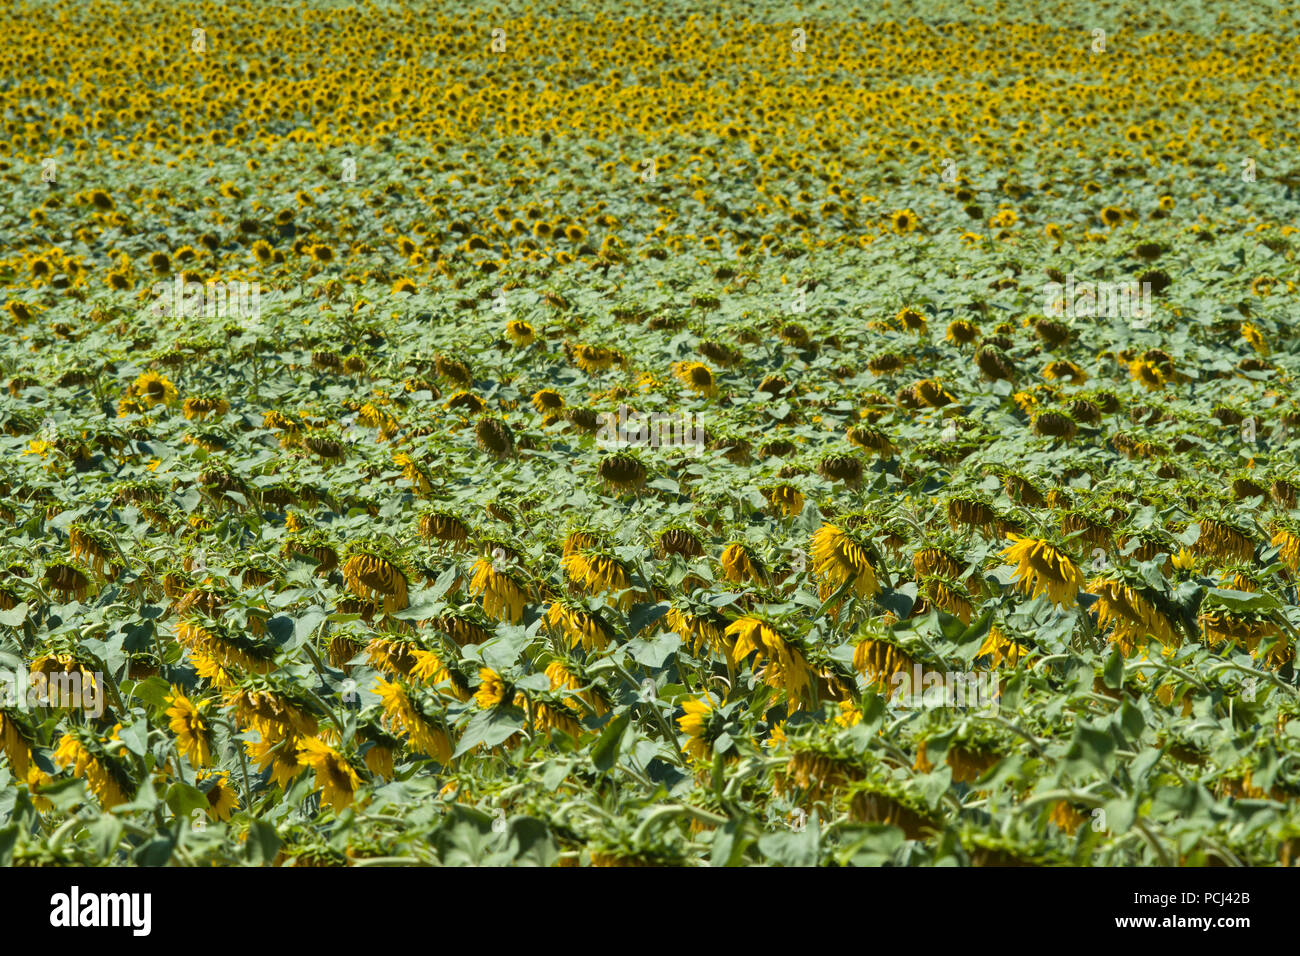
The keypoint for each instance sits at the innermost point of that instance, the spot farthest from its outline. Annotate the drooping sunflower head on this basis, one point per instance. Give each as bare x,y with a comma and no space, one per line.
1041,568
376,571
696,376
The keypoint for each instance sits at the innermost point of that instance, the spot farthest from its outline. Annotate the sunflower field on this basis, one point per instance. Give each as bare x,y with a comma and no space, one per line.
736,434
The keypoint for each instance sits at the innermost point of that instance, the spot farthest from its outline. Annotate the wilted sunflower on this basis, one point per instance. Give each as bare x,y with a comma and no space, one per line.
962,332
622,470
443,526
741,566
1131,615
1220,539
785,498
599,573
1249,629
840,559
696,376
579,626
494,436
783,663
336,781
913,320
1042,569
401,714
186,719
881,662
373,576
694,722
107,782
504,595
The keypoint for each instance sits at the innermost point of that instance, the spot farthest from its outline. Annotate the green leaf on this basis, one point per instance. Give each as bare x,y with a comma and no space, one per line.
489,728
605,750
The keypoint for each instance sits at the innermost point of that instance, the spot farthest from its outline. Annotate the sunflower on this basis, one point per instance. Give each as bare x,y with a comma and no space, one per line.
1042,569
547,401
504,596
404,717
222,800
1219,539
700,632
374,577
186,719
1147,374
445,527
840,559
579,626
696,376
1255,337
520,333
1111,216
1130,615
1287,541
740,565
152,389
599,573
104,779
904,221
1001,649
595,358
881,662
622,471
786,499
14,743
1244,628
962,332
335,779
1062,369
694,723
492,691
783,664
913,320
278,752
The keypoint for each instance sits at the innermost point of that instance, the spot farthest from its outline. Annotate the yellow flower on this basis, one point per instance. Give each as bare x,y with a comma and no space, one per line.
740,566
784,665
373,578
1042,569
335,779
839,559
580,627
187,723
492,690
520,333
696,376
1255,337
222,800
785,498
503,597
402,715
695,724
278,751
152,389
1130,616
